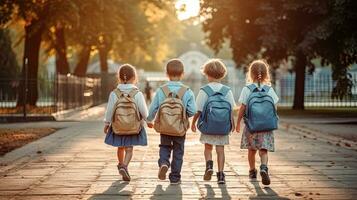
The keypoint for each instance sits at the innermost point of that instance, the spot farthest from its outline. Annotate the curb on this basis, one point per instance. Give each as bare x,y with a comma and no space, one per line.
318,135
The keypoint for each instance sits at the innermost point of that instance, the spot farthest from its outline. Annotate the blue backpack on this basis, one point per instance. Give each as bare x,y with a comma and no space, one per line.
260,113
216,117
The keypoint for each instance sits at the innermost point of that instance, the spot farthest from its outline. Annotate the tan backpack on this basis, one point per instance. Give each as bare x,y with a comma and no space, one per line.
126,117
171,118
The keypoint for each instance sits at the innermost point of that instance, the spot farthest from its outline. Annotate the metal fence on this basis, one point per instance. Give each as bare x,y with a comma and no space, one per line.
318,90
55,94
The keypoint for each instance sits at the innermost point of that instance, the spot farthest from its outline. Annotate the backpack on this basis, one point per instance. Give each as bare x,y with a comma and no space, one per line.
260,113
126,117
216,117
171,118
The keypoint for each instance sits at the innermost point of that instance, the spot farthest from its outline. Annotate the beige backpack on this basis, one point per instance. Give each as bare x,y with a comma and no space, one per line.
171,118
126,117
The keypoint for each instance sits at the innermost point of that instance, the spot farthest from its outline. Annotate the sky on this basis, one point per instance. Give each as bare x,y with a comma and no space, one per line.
191,8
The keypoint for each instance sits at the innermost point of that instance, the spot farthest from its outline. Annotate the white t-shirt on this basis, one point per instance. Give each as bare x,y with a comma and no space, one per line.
244,95
202,96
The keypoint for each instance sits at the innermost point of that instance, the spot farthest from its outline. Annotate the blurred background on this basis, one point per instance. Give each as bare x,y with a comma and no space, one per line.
58,55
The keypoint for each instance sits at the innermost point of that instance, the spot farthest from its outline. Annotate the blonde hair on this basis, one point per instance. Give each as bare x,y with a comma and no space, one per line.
215,68
126,72
258,72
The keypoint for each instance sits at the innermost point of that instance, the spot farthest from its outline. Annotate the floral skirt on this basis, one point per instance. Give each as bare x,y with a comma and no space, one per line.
256,141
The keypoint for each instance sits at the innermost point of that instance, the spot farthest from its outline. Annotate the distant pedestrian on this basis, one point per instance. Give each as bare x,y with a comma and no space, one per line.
215,104
258,107
148,91
124,118
171,108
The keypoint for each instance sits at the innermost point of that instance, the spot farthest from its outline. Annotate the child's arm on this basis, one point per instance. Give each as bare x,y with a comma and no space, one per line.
142,106
191,104
109,112
240,116
194,120
154,106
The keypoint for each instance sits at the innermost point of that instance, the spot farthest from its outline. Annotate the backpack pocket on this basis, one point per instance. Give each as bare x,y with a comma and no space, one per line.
217,121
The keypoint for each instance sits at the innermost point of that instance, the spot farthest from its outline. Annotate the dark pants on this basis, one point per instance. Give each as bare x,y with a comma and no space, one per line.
177,145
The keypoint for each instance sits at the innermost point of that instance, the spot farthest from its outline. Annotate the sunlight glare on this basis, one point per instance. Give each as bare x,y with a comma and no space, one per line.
187,8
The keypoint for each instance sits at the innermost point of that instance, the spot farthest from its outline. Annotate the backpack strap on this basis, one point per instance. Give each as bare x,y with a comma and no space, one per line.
166,90
208,90
133,92
224,90
117,92
252,87
266,88
181,92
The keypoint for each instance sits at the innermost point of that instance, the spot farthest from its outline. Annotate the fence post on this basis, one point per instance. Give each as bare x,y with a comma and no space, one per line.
25,88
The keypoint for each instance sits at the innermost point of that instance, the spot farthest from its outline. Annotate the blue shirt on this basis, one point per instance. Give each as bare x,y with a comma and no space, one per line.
188,100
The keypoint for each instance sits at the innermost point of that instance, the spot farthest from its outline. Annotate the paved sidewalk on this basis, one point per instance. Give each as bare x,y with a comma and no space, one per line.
76,164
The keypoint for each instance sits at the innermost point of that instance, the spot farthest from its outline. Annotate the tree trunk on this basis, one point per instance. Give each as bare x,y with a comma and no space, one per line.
33,34
300,67
82,64
62,66
103,57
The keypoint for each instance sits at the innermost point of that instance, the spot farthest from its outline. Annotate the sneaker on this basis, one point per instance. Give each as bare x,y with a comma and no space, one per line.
175,182
221,178
123,171
209,170
264,174
253,174
162,172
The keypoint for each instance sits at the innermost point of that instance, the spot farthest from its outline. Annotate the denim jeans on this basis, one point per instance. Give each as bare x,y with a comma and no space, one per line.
177,146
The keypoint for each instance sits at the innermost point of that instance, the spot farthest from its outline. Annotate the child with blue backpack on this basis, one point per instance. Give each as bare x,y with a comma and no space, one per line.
258,109
215,104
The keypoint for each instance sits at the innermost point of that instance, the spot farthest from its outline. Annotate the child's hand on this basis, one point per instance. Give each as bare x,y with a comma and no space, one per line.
238,127
106,128
150,124
193,127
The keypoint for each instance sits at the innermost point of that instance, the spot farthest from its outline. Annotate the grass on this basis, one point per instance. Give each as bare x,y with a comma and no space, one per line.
11,139
29,110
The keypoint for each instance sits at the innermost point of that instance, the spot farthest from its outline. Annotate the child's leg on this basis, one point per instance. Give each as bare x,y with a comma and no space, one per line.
164,155
208,152
128,155
178,146
220,157
120,155
165,150
263,153
251,158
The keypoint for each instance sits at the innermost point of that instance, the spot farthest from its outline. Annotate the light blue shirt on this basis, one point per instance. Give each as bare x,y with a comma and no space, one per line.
188,100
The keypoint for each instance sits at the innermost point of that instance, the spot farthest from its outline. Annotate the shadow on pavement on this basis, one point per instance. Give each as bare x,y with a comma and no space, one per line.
171,192
266,191
211,194
116,189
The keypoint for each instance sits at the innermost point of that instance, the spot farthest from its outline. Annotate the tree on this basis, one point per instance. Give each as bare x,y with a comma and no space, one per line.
8,65
279,30
38,16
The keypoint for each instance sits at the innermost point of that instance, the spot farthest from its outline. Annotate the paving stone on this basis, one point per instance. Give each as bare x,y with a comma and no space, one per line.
83,167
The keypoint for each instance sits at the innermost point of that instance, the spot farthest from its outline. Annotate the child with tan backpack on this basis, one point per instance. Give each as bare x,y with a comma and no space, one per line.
171,107
124,118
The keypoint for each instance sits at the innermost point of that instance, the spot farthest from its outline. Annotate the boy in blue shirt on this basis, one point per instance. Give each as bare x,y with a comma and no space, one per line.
168,143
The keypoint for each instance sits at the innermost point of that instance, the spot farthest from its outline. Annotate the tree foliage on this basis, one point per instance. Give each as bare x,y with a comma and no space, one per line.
123,28
279,30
